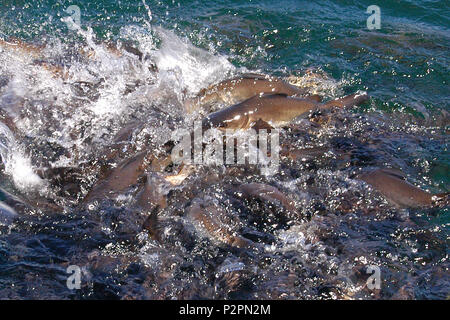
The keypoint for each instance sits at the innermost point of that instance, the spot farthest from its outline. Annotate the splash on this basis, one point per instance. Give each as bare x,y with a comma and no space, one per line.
17,165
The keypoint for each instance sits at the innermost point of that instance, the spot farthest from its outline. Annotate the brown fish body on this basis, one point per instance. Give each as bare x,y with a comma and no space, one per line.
242,88
34,51
120,178
274,109
22,47
306,154
397,190
153,194
208,217
268,193
59,71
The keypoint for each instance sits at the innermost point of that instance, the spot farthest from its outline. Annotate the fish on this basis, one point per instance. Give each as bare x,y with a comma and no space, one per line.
120,178
22,205
273,109
17,45
177,179
306,154
57,70
132,171
241,88
152,225
269,193
208,217
154,192
399,192
152,199
36,52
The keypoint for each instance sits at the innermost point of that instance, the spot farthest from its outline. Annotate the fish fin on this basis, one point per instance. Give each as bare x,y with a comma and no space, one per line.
273,95
151,224
348,101
255,76
314,97
129,47
261,124
241,242
126,133
140,158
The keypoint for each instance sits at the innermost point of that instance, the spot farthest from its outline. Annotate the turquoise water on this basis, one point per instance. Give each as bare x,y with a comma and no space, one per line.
403,63
404,67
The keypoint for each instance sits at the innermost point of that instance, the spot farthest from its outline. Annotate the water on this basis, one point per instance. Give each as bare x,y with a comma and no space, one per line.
68,122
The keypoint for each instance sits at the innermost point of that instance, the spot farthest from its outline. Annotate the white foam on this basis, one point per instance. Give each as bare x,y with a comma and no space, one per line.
17,165
48,108
196,67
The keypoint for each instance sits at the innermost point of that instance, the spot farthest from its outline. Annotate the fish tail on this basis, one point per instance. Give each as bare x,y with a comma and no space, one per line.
348,101
152,225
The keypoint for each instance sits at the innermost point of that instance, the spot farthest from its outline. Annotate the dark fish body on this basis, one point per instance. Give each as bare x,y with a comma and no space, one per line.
241,88
399,191
208,217
154,193
12,205
120,178
304,154
274,109
268,193
7,120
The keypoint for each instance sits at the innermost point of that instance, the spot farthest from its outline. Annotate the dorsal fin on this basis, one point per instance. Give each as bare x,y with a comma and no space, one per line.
274,95
152,224
314,97
394,172
255,76
261,124
265,95
129,47
140,157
